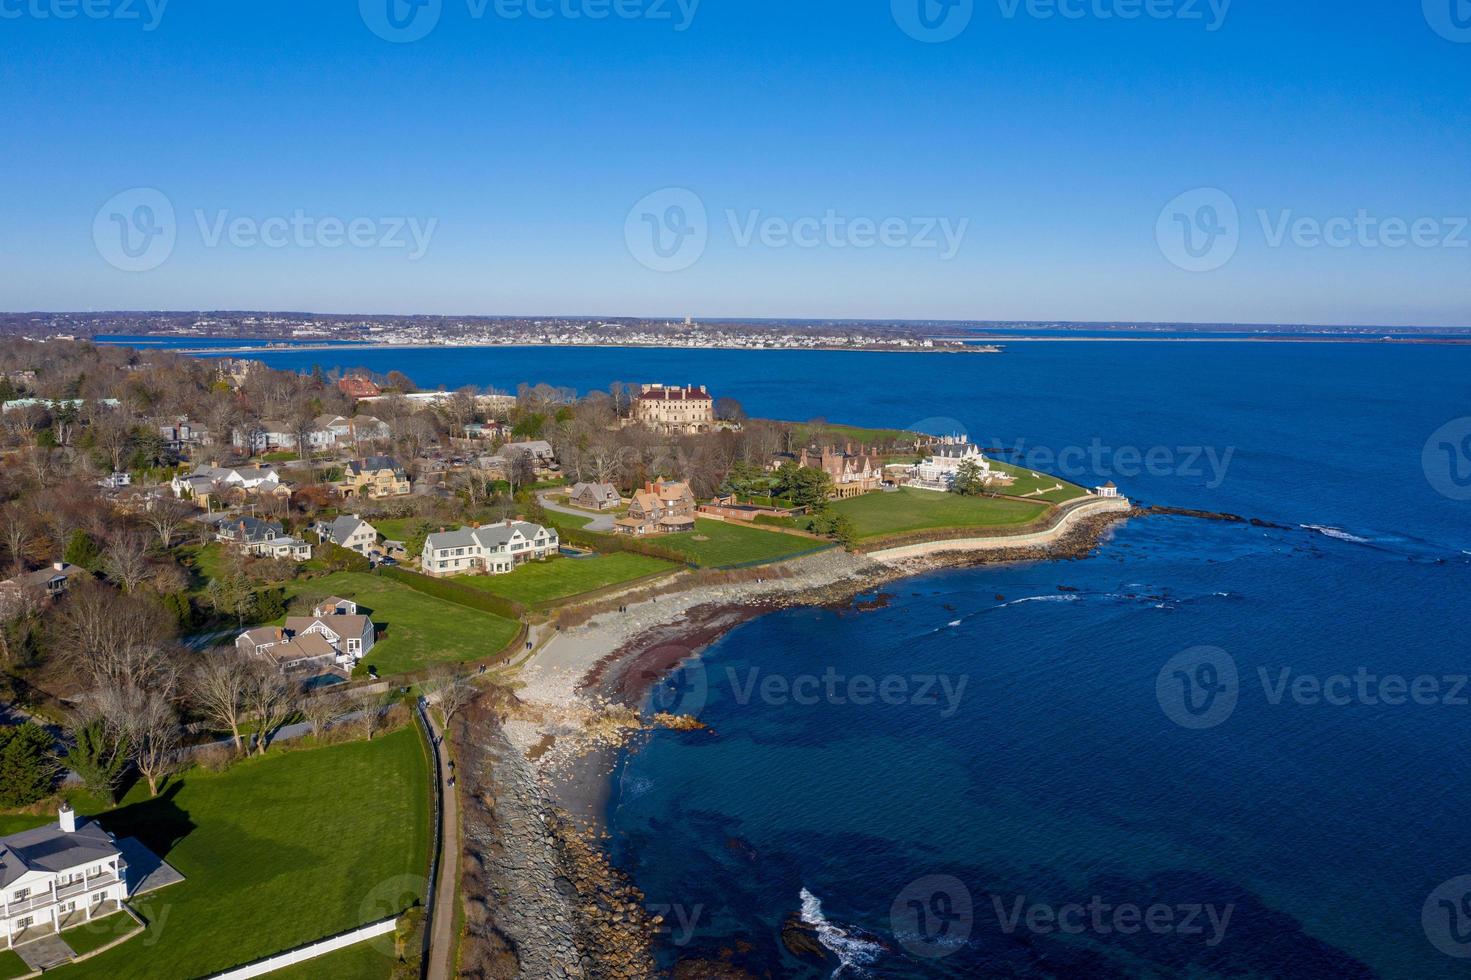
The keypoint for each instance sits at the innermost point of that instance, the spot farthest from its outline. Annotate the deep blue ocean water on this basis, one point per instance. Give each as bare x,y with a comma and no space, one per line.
1058,772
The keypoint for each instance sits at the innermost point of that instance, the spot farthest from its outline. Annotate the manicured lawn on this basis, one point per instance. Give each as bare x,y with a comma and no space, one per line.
877,514
833,433
11,965
396,528
715,544
277,852
543,581
416,630
1026,483
208,562
371,960
99,932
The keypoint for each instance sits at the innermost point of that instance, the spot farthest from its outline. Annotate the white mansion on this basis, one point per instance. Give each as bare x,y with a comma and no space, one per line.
937,471
59,875
495,548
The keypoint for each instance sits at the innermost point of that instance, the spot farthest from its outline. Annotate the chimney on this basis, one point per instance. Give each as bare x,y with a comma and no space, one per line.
68,819
60,566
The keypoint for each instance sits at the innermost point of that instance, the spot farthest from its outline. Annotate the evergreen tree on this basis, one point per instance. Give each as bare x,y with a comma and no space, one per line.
27,769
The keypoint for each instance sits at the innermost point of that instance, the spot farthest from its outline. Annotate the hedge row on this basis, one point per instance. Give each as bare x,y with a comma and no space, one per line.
455,592
609,543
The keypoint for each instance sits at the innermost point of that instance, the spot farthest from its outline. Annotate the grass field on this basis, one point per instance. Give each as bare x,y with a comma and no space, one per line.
1026,483
540,582
834,433
714,544
878,514
11,965
99,932
396,528
365,961
416,630
277,852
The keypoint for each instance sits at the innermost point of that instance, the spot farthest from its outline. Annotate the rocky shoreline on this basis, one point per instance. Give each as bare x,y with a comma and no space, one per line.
542,898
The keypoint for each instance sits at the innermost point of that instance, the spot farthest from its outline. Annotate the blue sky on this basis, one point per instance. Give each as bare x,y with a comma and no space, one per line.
1067,156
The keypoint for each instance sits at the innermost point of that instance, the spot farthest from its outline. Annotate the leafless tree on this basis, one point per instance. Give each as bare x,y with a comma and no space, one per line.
219,688
166,515
18,530
112,638
126,559
371,706
270,698
320,710
450,692
155,740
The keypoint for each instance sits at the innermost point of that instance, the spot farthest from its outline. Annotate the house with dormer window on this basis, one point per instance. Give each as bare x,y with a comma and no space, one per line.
58,876
494,549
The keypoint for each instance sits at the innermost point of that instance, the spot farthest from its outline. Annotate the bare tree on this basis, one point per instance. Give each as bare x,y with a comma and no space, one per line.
155,740
320,711
270,699
450,692
166,515
109,637
219,688
371,706
126,560
17,530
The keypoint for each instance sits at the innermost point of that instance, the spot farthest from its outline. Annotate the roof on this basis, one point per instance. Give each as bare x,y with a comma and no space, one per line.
690,394
536,447
262,634
601,491
490,536
311,646
51,849
342,625
341,529
50,573
371,463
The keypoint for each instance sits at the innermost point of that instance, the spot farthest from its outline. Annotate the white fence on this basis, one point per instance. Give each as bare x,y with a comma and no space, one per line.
308,952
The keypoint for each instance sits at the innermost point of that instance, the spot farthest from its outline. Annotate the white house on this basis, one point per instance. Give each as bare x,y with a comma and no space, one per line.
496,549
937,471
264,539
204,481
58,876
335,634
1109,489
348,531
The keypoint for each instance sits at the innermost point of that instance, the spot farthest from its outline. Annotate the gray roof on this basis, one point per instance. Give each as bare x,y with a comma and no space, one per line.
491,536
51,849
373,464
339,530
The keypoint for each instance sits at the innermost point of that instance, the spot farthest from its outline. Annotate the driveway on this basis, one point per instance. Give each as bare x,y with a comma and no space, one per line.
598,522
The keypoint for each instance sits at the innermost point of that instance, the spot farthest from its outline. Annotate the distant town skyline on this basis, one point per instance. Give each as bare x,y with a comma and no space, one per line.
1016,161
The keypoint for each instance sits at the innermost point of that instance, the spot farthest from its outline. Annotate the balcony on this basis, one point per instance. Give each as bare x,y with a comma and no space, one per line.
48,898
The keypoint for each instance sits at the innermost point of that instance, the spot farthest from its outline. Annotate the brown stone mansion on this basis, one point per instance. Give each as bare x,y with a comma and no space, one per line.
673,409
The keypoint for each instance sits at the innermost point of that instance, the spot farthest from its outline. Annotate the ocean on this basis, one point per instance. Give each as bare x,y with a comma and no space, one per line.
1212,750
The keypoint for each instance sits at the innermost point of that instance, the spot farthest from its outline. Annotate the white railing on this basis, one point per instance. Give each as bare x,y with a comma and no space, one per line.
310,951
48,898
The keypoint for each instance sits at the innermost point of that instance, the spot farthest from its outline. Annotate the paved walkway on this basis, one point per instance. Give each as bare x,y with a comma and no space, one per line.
596,522
446,885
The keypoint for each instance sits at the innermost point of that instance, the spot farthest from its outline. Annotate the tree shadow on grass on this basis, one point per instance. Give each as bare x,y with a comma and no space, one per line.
158,823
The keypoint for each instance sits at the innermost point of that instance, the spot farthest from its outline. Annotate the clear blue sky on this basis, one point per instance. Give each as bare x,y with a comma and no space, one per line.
1057,141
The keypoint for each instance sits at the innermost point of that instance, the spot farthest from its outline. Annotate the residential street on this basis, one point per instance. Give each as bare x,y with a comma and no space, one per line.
598,522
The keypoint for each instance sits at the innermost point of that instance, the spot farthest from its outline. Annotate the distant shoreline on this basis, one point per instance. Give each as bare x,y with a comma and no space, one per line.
978,345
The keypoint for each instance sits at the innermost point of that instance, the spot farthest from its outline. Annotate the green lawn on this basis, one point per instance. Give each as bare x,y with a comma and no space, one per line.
11,965
277,852
99,932
833,433
877,514
1026,483
396,528
540,582
208,562
716,544
416,630
366,961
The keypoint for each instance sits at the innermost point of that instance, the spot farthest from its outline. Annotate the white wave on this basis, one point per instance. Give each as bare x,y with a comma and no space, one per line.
1337,533
954,622
852,953
1065,597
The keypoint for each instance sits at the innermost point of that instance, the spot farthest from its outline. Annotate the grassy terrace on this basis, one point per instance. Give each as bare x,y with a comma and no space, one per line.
713,544
1026,483
417,630
542,582
277,852
876,515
